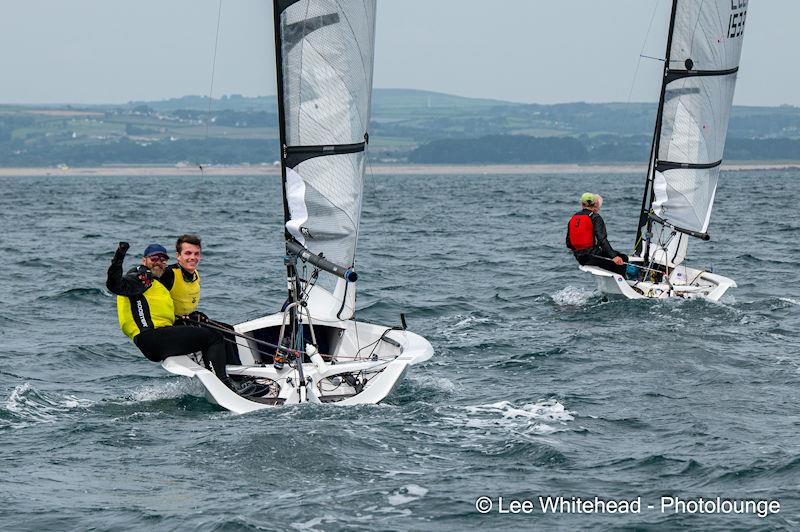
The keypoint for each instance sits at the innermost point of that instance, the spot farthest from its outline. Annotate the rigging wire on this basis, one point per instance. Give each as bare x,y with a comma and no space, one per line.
627,116
641,52
213,70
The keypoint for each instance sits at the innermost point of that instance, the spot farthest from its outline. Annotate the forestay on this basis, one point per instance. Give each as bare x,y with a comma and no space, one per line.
703,52
325,83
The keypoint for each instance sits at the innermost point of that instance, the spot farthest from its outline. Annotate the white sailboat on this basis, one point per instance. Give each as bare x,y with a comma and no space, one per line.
324,59
704,45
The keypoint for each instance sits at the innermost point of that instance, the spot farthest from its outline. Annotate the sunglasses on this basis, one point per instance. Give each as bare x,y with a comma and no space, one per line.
157,258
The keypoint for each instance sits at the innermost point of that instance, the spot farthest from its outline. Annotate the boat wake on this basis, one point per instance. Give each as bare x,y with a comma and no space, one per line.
174,389
433,383
573,296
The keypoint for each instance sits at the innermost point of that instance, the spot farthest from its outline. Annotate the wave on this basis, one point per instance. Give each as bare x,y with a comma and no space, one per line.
27,405
529,358
76,294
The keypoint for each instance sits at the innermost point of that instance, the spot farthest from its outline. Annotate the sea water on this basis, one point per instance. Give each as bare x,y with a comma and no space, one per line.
541,392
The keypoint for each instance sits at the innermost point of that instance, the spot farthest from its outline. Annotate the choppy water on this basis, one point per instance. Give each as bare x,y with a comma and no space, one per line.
538,386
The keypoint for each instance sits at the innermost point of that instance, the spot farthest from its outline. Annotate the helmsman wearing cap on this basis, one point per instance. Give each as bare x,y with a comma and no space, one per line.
588,240
155,259
147,314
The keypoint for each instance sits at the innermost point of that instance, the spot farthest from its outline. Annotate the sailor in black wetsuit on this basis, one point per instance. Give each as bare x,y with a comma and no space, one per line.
146,313
587,238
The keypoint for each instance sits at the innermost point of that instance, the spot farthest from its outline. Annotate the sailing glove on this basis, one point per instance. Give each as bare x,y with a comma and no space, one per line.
198,316
122,249
144,275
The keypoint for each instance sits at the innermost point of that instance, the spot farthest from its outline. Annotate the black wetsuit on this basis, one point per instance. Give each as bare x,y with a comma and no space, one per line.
168,280
158,343
601,253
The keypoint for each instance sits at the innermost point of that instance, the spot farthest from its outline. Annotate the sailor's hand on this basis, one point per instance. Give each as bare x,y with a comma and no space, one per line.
198,317
122,249
618,260
145,275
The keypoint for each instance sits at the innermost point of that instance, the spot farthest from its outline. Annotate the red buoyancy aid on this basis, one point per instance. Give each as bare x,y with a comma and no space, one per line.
581,231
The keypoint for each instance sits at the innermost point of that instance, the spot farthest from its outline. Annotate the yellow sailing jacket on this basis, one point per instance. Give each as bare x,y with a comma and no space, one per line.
185,293
150,310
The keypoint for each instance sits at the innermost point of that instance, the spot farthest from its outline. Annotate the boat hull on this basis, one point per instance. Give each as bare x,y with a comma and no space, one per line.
362,364
684,283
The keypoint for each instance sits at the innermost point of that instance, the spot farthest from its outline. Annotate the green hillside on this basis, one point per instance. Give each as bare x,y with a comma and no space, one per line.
407,126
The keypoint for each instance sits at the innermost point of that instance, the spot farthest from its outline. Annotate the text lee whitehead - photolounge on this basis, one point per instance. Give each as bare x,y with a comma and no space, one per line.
598,505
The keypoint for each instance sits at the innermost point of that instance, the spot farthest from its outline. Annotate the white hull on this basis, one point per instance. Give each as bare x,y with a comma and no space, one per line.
684,282
362,364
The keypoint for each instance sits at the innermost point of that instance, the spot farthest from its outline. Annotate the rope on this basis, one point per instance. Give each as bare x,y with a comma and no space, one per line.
211,324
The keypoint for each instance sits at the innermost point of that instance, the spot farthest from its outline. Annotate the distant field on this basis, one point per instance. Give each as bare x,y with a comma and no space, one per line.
407,126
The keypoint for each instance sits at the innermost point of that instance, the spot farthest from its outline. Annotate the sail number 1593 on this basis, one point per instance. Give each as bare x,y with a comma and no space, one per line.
737,18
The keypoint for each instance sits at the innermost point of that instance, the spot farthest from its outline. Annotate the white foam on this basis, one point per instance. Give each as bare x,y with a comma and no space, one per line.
466,322
406,494
537,418
572,295
70,401
550,410
311,524
789,300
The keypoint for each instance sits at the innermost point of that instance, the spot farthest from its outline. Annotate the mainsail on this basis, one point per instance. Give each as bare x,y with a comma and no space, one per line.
703,50
324,53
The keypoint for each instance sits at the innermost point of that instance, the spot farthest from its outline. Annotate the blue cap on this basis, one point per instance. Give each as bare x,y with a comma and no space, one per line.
154,249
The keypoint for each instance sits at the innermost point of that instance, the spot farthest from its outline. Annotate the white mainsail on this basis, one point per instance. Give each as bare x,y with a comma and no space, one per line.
325,85
704,47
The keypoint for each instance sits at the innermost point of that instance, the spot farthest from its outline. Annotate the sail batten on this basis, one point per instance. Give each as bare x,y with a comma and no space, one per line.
694,111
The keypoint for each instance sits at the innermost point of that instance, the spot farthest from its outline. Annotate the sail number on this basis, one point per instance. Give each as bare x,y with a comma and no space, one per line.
737,18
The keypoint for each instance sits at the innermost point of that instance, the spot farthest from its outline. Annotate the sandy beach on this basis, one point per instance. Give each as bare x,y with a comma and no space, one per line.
376,169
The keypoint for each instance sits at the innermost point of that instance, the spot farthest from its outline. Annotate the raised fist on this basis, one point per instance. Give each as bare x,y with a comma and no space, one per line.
122,248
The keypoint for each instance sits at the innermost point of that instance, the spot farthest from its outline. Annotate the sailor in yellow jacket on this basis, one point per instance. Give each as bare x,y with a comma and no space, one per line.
147,314
182,279
183,282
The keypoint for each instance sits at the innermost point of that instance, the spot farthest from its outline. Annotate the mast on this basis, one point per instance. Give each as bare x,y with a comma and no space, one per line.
292,281
644,227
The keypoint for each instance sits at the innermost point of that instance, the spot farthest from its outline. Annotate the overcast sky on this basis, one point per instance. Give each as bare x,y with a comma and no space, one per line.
542,51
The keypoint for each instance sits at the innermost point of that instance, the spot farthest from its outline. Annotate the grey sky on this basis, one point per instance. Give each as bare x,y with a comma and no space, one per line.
544,51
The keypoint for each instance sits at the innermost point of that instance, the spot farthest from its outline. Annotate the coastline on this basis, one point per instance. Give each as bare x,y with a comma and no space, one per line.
375,169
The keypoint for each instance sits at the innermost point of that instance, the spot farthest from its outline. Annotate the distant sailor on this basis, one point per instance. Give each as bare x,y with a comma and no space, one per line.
587,238
147,315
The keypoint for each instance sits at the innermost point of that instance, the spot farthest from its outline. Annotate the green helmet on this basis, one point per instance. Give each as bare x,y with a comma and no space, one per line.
588,198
